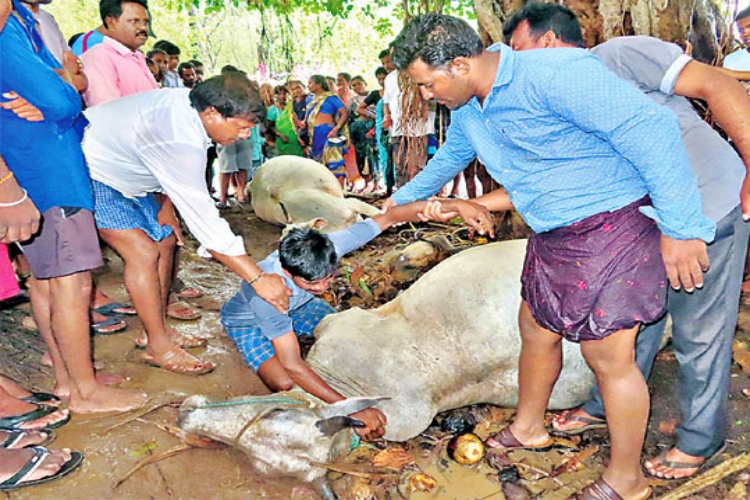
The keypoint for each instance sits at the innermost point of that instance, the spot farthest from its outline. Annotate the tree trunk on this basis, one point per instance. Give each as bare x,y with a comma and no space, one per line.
673,20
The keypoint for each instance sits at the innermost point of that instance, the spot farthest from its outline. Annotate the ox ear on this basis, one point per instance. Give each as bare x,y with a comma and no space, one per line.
349,406
330,426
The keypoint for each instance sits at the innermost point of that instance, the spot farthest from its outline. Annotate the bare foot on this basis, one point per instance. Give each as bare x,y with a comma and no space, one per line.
12,440
106,399
14,407
13,389
13,460
110,379
674,464
177,338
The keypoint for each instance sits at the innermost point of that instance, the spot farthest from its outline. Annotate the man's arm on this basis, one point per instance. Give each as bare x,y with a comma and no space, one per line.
287,350
728,103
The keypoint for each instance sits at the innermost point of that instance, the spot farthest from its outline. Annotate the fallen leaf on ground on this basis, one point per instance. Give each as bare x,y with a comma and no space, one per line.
393,457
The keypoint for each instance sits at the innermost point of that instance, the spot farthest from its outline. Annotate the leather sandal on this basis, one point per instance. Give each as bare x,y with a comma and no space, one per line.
180,340
182,311
601,490
662,461
506,440
590,423
177,360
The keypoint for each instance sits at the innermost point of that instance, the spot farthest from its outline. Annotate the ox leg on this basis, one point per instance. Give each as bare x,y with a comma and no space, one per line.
626,405
539,367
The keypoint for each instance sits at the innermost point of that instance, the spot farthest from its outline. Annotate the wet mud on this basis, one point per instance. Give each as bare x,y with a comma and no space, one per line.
166,469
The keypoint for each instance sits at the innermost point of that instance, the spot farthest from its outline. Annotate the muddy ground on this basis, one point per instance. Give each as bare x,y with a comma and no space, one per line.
114,445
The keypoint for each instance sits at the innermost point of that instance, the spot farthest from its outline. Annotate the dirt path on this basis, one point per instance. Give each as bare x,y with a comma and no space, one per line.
114,445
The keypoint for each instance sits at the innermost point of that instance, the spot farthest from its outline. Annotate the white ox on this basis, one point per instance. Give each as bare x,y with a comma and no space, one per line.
448,341
292,190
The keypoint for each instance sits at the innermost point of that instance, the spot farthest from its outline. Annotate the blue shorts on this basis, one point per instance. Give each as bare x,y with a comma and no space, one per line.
112,210
256,348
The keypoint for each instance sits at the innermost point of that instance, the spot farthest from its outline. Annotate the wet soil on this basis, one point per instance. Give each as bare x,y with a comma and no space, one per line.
114,445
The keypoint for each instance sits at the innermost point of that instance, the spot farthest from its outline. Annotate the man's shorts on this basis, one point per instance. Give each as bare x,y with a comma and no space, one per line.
256,348
597,276
67,243
115,211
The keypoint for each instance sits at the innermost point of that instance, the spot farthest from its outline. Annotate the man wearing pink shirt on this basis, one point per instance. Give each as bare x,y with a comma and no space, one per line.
116,68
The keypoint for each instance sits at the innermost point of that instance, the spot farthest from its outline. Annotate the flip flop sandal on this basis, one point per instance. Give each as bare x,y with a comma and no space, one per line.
14,422
189,293
42,398
699,466
105,327
506,440
116,309
15,437
190,315
171,361
16,480
186,341
601,490
591,424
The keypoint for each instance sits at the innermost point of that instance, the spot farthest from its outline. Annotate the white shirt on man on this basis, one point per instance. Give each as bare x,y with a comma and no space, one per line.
739,60
155,141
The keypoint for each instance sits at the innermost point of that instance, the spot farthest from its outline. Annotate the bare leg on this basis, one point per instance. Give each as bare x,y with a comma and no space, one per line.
626,404
224,187
239,192
539,367
61,307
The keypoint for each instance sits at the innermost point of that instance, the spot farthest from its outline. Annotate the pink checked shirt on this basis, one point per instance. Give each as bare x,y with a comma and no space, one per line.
114,71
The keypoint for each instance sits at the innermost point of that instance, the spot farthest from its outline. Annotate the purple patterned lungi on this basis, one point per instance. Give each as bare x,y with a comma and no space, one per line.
596,276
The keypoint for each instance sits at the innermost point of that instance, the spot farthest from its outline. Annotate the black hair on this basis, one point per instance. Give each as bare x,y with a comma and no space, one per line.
196,63
151,53
74,38
150,62
437,40
280,88
742,14
544,17
346,76
384,53
184,65
168,47
307,254
113,8
229,69
359,77
322,81
231,94
381,71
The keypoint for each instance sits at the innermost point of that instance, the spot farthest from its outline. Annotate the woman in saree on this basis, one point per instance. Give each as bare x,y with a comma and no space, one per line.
326,121
287,142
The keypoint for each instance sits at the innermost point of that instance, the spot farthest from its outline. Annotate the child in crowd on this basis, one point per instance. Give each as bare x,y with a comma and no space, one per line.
307,259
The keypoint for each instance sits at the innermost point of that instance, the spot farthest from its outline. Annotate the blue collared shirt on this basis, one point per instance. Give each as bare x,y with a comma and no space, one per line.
46,156
568,139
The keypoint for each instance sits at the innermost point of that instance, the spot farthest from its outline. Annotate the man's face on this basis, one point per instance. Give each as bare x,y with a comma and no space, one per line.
131,28
314,287
223,130
198,74
156,71
387,63
743,27
162,60
188,77
445,84
174,61
521,38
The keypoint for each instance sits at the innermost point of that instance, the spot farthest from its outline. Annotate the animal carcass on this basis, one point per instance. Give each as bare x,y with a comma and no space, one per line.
285,434
448,341
290,189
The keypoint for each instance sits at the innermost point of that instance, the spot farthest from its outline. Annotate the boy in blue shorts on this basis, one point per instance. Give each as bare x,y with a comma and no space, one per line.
307,260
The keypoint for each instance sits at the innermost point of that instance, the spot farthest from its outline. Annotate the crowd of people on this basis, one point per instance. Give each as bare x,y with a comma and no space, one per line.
618,190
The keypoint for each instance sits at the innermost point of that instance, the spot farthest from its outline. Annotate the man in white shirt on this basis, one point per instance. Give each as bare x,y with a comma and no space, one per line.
155,142
739,60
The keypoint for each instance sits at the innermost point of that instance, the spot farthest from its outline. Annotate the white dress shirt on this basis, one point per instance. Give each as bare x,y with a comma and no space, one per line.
155,142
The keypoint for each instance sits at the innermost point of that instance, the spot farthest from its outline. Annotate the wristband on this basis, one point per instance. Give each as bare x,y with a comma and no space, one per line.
17,202
252,281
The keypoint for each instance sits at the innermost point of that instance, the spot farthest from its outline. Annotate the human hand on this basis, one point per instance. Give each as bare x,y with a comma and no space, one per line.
745,198
434,210
374,421
685,262
167,217
387,122
272,288
19,223
72,63
333,133
21,107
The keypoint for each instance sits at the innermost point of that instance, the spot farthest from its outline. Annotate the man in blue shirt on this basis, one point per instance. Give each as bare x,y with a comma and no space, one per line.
585,158
40,154
704,321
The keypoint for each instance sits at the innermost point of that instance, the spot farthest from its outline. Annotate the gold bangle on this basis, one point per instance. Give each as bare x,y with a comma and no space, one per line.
10,174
